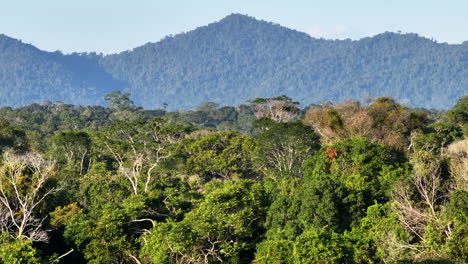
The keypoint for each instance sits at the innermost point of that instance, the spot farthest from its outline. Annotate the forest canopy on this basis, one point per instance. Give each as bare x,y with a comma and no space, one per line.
262,182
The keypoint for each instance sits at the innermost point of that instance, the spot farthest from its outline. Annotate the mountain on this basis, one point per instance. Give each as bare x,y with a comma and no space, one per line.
29,75
240,58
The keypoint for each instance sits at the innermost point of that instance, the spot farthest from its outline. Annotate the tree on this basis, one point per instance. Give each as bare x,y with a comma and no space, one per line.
383,121
278,251
435,138
365,173
458,115
24,186
11,137
420,202
75,147
327,122
119,100
379,237
17,251
283,148
457,217
279,109
224,227
224,155
339,184
110,240
314,246
458,153
140,147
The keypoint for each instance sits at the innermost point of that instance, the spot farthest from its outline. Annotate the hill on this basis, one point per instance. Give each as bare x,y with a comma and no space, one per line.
240,58
29,75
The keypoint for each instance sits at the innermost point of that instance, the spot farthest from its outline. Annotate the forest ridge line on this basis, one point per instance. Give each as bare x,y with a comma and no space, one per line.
240,58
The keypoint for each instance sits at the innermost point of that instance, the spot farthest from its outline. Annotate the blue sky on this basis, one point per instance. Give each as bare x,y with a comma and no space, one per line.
111,26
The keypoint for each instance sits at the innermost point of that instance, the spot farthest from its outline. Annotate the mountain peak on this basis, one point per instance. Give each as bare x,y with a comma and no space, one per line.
238,58
239,20
238,17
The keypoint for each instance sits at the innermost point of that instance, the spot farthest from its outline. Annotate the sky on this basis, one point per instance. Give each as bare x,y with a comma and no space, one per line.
111,26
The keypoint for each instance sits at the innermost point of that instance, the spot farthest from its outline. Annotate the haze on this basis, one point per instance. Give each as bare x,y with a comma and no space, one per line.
113,26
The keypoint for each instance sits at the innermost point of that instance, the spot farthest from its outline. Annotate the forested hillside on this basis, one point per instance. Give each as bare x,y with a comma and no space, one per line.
241,58
262,182
29,75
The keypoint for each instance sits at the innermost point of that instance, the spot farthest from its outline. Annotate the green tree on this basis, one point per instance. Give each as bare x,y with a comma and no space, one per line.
354,173
339,184
72,148
104,235
457,216
17,251
224,227
224,155
458,115
120,101
274,251
380,237
11,137
314,246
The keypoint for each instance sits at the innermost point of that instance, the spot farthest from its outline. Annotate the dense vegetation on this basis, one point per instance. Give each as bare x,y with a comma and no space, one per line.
240,58
264,182
29,75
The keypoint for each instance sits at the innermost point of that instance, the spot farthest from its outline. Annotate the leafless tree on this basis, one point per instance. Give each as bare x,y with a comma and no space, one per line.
317,118
280,109
419,203
286,157
458,153
23,180
147,151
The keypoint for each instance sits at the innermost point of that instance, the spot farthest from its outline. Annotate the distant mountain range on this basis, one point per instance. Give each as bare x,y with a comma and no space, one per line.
241,58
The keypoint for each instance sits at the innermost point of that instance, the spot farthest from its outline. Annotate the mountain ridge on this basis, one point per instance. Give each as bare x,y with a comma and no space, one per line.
240,58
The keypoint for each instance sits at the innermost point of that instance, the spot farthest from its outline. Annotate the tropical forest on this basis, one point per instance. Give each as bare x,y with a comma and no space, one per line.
267,182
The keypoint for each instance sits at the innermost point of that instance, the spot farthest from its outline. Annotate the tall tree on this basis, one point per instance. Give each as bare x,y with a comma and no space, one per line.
24,187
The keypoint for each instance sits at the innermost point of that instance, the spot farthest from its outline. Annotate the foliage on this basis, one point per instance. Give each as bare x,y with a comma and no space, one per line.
109,242
364,172
26,181
11,137
380,236
225,155
458,115
457,215
224,227
381,184
321,247
383,121
274,251
282,148
236,59
17,251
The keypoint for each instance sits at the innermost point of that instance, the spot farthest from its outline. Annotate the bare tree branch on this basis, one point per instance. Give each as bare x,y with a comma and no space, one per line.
22,189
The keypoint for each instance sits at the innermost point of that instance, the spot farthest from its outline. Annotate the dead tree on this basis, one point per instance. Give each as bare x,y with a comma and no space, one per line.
420,202
23,180
145,149
279,109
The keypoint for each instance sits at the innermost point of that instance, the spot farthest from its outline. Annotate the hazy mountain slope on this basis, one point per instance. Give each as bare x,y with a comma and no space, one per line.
240,58
28,75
